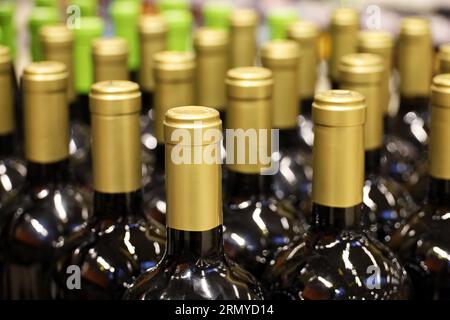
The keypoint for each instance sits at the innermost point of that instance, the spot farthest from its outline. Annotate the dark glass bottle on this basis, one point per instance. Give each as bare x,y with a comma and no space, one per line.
293,179
174,86
58,44
118,243
50,209
152,39
407,139
12,169
423,242
306,34
386,203
257,223
194,265
336,259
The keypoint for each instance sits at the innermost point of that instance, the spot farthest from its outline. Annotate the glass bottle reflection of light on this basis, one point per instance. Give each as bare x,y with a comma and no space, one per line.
118,243
293,181
194,265
407,139
49,209
423,242
336,259
387,203
256,222
12,169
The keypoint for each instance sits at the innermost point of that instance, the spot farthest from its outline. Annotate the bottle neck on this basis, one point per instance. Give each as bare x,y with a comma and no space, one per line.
439,192
160,158
113,206
6,145
372,161
195,244
417,104
330,218
41,174
247,185
79,109
305,106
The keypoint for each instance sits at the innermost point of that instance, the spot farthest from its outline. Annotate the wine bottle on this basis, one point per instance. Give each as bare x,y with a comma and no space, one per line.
49,209
125,16
387,204
179,23
40,16
335,259
306,34
380,43
293,180
12,168
407,139
415,66
211,48
216,14
194,265
444,58
423,242
89,29
57,45
278,21
110,56
344,28
118,243
256,222
174,86
153,39
243,24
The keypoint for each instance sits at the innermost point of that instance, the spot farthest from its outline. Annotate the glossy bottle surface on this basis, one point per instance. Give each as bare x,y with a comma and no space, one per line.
194,267
423,243
44,214
256,223
333,262
292,182
387,204
117,246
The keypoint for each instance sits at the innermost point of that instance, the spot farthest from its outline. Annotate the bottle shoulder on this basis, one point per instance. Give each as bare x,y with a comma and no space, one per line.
110,258
37,219
12,178
337,265
174,279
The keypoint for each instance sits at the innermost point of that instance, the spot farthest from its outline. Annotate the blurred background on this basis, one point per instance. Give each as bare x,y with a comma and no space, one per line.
380,14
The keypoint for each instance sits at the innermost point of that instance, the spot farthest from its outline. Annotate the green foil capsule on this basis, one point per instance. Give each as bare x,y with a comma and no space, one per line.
180,26
8,30
216,14
279,20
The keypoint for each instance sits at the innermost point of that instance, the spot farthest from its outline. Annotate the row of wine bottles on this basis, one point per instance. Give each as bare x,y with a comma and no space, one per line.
82,215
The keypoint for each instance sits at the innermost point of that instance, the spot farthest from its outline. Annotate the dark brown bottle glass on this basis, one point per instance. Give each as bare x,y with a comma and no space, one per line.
386,203
118,243
174,86
336,259
423,242
49,209
293,179
12,169
407,139
194,265
257,223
